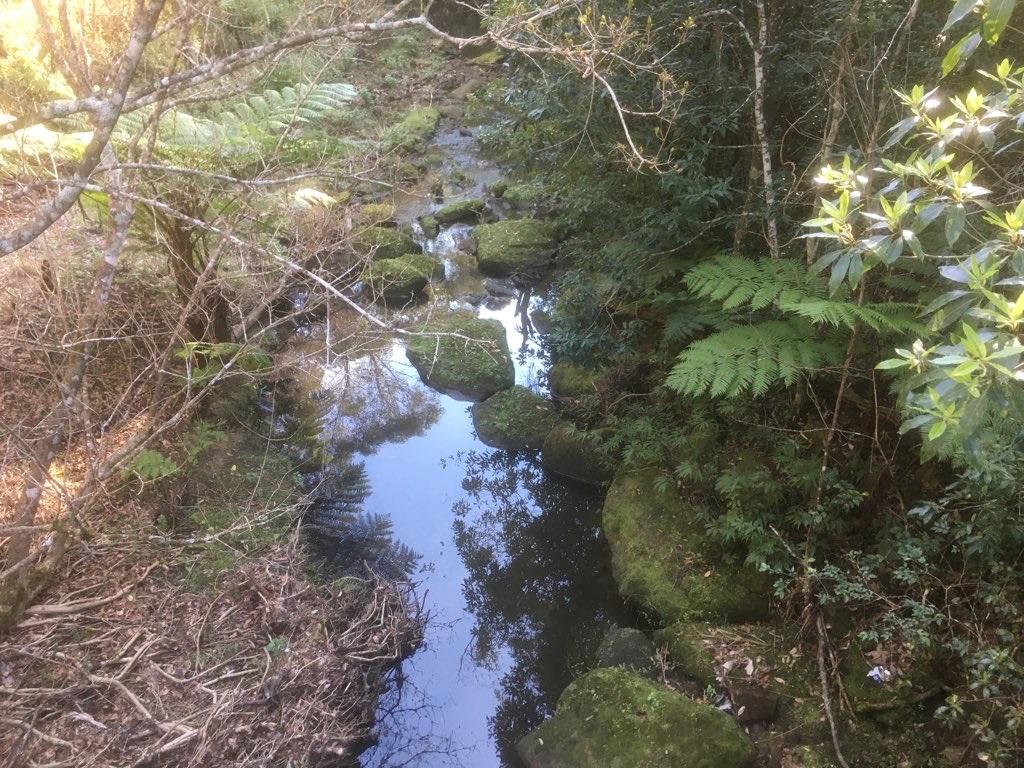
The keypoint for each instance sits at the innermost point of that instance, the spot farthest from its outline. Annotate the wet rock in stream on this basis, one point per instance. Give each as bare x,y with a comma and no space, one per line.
463,356
507,247
515,419
612,717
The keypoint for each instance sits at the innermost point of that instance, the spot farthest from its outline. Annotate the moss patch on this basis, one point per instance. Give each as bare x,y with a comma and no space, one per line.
473,365
377,213
432,266
400,278
515,419
611,718
689,650
663,563
573,381
430,226
383,243
414,131
462,210
507,247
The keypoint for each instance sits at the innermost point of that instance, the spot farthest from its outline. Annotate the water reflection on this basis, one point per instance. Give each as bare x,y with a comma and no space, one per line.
351,541
538,583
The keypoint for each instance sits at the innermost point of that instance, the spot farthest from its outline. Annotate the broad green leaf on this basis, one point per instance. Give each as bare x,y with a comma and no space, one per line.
937,430
895,362
996,17
960,11
955,220
962,50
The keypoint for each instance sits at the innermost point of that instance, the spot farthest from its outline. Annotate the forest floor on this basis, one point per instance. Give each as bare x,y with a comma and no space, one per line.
189,626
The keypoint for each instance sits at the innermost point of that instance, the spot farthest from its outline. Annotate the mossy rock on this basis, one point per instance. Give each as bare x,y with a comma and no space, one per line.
431,265
383,243
466,211
688,648
573,381
507,247
577,454
377,213
399,278
515,419
663,562
523,195
629,649
611,718
414,131
472,368
430,227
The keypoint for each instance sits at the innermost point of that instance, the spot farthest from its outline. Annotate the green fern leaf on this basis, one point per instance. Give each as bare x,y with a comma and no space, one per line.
750,359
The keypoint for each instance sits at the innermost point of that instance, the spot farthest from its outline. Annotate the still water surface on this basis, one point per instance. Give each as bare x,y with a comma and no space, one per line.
512,569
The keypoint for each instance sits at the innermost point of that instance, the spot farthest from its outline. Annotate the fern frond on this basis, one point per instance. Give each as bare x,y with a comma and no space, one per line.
893,317
751,358
735,281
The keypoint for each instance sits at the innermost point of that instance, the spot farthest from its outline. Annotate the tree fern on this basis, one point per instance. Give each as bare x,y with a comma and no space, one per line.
270,113
736,282
749,359
890,317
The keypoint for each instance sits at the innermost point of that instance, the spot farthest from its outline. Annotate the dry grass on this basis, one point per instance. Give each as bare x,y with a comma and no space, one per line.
133,668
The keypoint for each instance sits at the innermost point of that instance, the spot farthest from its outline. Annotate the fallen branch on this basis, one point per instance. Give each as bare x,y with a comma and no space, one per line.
826,695
77,606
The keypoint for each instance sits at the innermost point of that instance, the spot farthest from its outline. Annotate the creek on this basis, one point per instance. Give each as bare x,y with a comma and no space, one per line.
508,560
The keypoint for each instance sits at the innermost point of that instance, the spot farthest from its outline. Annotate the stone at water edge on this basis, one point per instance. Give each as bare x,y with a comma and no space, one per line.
465,211
576,454
515,419
472,368
663,561
383,243
611,718
573,381
400,278
629,649
507,247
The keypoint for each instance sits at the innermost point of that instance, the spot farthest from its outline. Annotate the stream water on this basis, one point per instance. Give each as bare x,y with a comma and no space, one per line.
511,566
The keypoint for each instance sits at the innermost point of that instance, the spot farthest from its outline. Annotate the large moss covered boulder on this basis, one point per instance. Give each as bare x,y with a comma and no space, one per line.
577,454
515,419
463,356
392,279
507,247
664,563
383,243
611,718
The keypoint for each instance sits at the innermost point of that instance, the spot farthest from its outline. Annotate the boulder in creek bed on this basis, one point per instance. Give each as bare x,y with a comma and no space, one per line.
472,364
576,454
507,247
611,718
383,243
515,419
397,279
664,562
466,211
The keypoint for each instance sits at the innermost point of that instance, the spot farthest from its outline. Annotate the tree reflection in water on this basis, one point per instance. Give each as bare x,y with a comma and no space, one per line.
369,404
538,585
